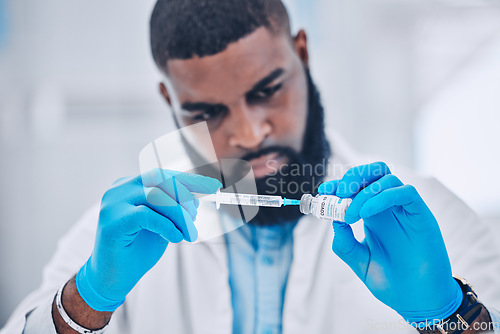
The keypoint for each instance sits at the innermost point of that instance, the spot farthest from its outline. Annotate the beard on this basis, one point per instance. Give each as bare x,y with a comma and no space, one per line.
301,174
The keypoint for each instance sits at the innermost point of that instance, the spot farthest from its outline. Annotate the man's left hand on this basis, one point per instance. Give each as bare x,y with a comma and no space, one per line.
403,259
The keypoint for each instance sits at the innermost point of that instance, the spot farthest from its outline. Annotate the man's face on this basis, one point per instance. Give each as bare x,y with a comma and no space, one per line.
253,95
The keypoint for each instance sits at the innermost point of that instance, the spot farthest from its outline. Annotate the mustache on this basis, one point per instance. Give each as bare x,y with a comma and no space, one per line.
280,150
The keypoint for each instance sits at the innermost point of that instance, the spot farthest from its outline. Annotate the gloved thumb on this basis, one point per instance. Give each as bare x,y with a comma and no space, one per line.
350,250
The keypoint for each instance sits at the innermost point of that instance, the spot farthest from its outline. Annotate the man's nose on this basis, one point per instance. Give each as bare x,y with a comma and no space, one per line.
248,127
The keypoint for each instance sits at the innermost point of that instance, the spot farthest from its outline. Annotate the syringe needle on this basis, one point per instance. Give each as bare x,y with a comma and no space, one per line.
287,201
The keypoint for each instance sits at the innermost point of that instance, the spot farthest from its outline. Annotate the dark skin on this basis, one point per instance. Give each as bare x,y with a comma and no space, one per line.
252,95
259,85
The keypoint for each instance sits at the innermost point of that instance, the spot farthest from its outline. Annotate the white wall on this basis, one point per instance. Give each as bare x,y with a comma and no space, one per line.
415,82
78,100
458,135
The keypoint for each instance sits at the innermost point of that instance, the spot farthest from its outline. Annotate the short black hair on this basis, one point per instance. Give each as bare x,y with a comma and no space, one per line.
182,29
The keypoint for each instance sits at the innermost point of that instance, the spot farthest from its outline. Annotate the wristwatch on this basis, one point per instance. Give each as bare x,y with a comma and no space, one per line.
464,316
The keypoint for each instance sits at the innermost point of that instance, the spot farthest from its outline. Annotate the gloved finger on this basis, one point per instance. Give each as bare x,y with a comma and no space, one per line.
350,250
199,183
359,177
152,221
328,187
180,185
132,190
193,182
172,210
405,196
174,189
385,182
168,182
122,180
157,197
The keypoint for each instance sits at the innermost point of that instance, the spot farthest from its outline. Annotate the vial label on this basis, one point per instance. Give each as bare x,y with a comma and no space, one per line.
332,207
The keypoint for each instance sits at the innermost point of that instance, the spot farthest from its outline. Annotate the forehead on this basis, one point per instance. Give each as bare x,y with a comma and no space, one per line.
232,71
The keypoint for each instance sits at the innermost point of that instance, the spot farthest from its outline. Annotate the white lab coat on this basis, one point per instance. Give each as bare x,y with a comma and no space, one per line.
188,290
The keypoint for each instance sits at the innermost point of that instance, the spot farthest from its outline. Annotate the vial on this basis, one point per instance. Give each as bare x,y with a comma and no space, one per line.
325,206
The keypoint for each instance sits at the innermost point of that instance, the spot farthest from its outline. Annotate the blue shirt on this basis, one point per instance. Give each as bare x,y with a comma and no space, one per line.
259,259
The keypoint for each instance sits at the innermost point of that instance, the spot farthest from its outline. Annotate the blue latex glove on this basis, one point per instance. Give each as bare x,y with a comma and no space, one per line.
403,259
134,230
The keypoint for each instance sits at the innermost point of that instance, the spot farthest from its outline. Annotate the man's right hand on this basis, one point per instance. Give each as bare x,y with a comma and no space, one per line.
138,218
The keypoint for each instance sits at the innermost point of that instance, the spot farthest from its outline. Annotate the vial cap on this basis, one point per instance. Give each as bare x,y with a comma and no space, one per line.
305,204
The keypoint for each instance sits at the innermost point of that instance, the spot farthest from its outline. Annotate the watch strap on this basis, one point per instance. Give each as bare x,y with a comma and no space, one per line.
462,318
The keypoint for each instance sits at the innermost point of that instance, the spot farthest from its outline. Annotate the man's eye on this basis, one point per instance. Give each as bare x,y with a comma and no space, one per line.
266,92
209,114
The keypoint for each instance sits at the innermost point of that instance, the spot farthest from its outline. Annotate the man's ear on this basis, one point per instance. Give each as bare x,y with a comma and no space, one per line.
300,44
164,93
166,96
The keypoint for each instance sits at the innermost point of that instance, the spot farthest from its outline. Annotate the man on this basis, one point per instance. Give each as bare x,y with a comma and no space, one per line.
234,65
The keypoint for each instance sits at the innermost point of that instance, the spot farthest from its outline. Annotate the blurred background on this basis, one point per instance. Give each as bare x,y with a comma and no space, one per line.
414,81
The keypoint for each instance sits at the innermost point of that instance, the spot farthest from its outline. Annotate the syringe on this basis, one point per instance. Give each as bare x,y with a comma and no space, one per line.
246,199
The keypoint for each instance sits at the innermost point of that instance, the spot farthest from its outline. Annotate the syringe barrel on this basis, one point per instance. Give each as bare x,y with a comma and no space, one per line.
250,199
